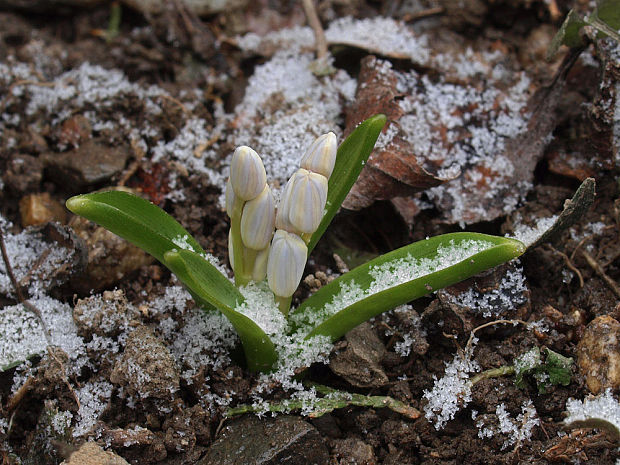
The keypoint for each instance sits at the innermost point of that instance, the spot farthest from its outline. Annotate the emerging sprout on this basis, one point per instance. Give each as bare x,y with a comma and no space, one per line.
306,209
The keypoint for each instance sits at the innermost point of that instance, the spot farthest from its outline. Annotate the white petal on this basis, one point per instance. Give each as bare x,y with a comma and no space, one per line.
321,155
285,266
247,173
258,220
260,265
306,200
230,198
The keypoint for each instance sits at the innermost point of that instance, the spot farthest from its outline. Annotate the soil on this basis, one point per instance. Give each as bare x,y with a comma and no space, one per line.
155,413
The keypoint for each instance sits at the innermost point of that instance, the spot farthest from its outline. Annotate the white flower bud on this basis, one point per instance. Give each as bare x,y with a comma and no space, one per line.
230,198
305,200
260,265
282,221
285,266
258,220
321,155
247,173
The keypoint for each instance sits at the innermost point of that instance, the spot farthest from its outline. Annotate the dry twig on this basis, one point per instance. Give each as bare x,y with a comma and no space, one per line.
598,269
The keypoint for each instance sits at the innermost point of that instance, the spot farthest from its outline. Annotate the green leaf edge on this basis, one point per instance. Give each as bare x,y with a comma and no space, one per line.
340,323
350,160
198,275
133,218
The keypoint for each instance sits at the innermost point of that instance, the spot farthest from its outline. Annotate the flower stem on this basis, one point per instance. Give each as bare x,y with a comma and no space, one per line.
241,276
284,304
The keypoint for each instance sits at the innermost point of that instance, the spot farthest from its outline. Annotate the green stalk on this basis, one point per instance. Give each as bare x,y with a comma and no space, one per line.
249,258
284,304
241,277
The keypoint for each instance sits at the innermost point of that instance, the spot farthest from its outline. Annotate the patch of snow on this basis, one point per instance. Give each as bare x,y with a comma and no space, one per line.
518,430
510,293
453,391
94,397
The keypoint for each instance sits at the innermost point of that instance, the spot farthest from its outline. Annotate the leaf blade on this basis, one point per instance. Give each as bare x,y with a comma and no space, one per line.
374,300
131,217
207,285
350,160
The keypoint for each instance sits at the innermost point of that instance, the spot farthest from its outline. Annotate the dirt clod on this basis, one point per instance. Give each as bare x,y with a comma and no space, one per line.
146,369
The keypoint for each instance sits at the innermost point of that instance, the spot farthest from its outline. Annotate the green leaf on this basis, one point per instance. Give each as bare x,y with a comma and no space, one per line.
608,11
399,277
208,286
134,219
558,367
351,158
567,35
550,370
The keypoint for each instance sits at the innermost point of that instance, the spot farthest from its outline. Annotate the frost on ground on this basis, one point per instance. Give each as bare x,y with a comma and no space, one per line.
460,130
94,397
22,335
592,410
517,429
453,391
103,97
381,35
32,259
510,293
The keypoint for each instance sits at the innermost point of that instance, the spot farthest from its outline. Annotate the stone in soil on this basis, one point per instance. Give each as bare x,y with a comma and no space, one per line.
36,209
23,173
252,441
598,354
91,163
147,369
353,451
359,362
90,453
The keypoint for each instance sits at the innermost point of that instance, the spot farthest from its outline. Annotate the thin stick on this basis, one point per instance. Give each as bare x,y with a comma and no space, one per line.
410,17
319,35
569,263
598,269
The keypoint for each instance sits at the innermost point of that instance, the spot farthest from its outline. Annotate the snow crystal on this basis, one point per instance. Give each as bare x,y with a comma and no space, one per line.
518,430
604,407
24,250
260,307
22,336
528,235
461,129
285,108
453,391
380,35
183,149
61,421
94,397
205,340
508,295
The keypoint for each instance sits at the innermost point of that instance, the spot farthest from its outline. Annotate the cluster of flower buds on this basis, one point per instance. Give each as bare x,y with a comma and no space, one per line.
250,205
